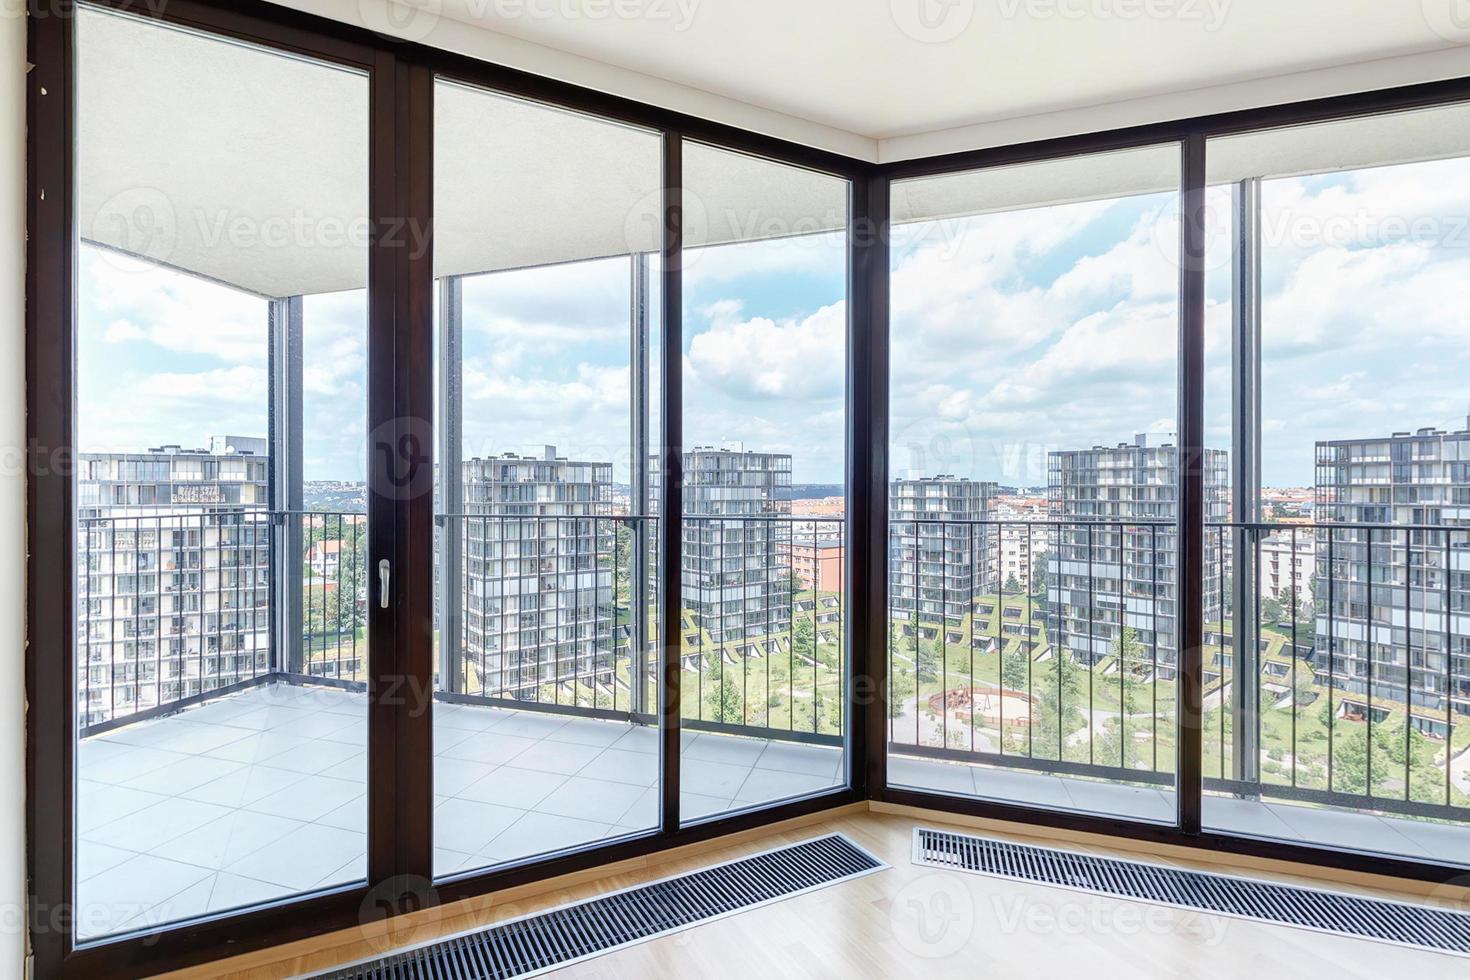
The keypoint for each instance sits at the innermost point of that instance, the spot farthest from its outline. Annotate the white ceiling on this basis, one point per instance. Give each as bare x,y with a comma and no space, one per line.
905,77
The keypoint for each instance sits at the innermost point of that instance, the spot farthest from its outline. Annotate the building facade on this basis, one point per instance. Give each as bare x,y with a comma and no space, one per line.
939,561
1383,566
538,574
736,575
174,586
1112,576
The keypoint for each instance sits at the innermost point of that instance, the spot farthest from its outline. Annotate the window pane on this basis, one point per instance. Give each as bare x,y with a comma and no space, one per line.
220,423
1337,272
765,648
545,720
1034,469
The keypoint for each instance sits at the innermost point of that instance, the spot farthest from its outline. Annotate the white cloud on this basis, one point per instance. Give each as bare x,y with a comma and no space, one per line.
758,358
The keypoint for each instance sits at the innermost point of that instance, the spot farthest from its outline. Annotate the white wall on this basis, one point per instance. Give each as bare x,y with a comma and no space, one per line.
12,489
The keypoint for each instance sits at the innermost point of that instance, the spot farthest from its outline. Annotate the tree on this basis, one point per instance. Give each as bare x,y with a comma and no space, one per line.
1038,574
1012,587
1014,667
803,636
725,701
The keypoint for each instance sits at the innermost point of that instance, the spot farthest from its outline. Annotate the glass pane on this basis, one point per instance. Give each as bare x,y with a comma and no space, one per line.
1034,473
221,422
1338,255
764,649
545,718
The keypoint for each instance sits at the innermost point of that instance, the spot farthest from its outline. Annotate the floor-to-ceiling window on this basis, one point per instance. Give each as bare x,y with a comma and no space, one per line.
1336,683
764,650
546,258
220,425
1034,464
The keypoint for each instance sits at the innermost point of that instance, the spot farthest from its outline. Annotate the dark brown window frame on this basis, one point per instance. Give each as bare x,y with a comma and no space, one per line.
400,794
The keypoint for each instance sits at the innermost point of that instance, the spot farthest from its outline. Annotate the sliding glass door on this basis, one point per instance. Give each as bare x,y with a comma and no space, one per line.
764,649
220,515
546,722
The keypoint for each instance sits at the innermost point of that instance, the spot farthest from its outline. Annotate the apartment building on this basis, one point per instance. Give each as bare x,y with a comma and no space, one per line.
937,561
736,577
173,583
1113,566
1023,536
1385,567
538,574
1288,564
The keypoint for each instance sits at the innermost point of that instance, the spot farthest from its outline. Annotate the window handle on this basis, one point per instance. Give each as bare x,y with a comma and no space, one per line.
384,570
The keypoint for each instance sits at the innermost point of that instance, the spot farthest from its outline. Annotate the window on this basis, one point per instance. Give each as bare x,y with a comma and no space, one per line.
548,334
217,270
764,652
1337,353
1035,313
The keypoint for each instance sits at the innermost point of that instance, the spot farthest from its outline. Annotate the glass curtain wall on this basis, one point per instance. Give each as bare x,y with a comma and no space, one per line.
546,258
1337,683
764,651
222,197
1034,483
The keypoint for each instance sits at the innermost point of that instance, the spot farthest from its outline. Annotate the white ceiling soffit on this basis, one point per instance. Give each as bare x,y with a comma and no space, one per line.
251,168
1368,141
519,184
226,161
897,79
1098,176
1350,144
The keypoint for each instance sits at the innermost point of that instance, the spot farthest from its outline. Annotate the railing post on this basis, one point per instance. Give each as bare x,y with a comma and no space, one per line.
287,552
451,483
1245,482
638,544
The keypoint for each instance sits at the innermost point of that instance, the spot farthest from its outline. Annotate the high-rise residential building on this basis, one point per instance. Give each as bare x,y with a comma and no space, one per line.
1113,568
938,563
1388,494
173,590
735,576
538,574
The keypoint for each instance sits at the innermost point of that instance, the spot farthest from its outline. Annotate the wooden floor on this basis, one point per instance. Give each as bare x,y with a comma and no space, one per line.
909,921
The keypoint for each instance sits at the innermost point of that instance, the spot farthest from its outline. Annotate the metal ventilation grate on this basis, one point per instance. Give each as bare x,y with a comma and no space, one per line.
1384,920
547,940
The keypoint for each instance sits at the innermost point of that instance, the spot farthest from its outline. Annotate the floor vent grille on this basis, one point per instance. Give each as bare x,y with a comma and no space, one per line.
547,940
1401,923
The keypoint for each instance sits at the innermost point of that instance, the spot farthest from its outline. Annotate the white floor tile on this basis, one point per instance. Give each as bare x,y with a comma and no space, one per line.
468,825
312,798
522,789
590,799
301,859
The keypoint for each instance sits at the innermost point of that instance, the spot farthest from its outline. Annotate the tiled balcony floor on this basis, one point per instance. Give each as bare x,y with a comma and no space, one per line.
261,794
1419,839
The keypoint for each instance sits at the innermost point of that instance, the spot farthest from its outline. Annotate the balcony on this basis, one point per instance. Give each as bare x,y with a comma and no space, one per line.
243,780
259,793
1076,710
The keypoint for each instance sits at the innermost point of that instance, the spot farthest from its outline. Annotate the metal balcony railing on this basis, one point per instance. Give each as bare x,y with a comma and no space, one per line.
1071,669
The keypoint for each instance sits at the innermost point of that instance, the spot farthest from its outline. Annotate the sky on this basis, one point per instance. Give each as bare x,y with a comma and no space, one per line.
1056,328
1013,334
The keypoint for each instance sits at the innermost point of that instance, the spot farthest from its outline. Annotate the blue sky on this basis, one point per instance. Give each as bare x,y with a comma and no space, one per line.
1013,334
